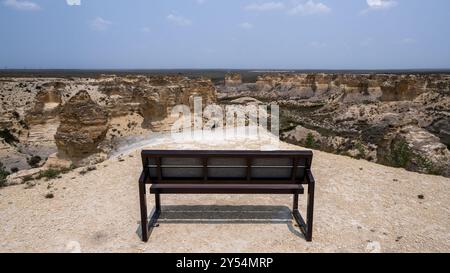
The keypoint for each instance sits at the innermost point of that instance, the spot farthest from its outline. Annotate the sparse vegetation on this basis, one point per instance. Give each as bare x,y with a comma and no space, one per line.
401,154
49,195
52,173
427,165
8,136
3,175
361,150
310,142
27,178
49,174
34,161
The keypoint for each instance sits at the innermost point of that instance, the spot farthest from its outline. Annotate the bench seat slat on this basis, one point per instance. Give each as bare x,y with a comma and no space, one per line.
227,188
214,181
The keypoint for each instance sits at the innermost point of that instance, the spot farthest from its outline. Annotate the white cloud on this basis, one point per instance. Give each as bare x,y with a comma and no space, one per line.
379,5
21,5
73,2
100,24
246,25
265,6
179,20
310,8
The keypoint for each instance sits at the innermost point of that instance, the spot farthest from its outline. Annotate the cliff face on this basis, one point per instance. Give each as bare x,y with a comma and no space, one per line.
398,120
350,87
80,120
153,97
83,127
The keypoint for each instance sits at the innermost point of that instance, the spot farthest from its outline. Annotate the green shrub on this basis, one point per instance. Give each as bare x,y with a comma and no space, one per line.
427,165
401,155
49,174
52,173
361,150
310,142
34,161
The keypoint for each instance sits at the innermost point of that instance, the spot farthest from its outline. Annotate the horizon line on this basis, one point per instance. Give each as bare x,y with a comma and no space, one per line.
222,69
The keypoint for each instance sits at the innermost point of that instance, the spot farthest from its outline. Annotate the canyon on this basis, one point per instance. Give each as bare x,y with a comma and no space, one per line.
399,120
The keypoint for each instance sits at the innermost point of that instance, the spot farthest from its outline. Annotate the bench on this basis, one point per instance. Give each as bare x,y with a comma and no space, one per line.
226,172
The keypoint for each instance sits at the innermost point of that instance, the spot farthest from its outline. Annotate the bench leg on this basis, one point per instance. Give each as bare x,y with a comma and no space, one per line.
307,227
156,213
158,201
310,211
143,205
147,226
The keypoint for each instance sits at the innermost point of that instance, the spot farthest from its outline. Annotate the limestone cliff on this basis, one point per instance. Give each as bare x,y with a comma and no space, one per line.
398,120
401,120
80,120
83,127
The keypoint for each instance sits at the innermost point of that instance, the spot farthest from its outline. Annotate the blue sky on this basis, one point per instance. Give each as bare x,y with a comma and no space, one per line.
289,34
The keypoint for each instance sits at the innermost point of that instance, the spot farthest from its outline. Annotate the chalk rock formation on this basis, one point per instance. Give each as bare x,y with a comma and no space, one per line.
83,127
233,79
47,103
154,97
379,117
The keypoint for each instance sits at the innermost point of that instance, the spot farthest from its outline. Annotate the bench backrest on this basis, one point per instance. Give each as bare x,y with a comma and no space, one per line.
237,167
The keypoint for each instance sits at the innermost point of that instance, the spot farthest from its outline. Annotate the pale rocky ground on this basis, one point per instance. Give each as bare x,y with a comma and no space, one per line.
360,207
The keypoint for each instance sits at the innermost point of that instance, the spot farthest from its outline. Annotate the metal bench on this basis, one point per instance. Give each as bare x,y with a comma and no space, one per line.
226,172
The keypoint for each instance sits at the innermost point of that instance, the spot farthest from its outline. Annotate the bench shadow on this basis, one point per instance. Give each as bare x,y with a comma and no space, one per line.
214,214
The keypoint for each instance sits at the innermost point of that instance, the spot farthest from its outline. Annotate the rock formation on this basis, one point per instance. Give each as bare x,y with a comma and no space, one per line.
233,79
401,120
46,103
83,127
398,120
44,116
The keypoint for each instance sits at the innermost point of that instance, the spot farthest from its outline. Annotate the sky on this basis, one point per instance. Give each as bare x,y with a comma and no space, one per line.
231,34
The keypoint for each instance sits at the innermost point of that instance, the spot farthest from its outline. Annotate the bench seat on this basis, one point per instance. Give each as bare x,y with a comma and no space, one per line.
227,188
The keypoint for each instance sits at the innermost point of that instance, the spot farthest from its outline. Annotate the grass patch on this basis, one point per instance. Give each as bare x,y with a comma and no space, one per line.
52,173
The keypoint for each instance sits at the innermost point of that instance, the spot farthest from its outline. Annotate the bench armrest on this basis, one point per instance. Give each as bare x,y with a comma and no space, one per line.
309,177
143,177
